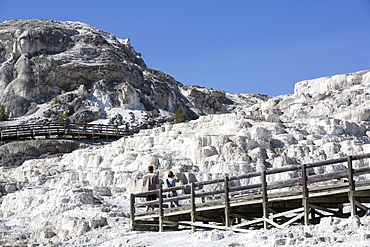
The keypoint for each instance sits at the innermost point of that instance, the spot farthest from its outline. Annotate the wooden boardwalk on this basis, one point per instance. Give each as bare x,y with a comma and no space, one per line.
62,130
240,203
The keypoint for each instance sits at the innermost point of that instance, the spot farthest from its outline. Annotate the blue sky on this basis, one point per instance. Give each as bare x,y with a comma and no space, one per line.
239,46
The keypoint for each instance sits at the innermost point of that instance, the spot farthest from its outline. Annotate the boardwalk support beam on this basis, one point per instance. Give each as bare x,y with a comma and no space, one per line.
227,202
192,203
132,211
264,199
160,209
351,184
305,195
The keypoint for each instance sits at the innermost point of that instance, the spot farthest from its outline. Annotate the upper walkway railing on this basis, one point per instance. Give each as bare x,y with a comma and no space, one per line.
79,130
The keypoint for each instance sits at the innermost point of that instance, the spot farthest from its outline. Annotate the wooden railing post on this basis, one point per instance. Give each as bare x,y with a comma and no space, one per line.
92,133
160,197
192,203
264,198
78,132
33,132
50,130
305,195
351,187
227,202
132,211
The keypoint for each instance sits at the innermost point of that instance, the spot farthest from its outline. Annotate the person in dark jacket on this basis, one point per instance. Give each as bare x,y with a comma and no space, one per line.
171,182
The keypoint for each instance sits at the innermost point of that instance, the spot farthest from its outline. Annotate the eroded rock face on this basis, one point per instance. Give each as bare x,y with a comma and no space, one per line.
311,88
85,72
13,154
209,101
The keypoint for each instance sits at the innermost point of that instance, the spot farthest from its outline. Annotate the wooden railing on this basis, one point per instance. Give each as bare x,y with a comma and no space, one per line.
229,191
79,130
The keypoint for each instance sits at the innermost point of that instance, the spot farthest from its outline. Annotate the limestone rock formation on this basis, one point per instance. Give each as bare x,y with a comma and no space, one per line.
89,188
13,154
90,74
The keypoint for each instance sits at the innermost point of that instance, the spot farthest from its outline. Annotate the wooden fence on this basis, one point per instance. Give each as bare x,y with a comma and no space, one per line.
78,130
312,191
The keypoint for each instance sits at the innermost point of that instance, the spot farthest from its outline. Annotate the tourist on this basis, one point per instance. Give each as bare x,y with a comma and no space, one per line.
115,124
67,123
150,182
171,182
84,126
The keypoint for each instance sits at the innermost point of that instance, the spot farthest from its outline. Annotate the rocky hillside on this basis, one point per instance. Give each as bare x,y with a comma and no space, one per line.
53,68
81,198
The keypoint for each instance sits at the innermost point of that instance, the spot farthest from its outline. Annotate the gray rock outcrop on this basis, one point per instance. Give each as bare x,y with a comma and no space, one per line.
84,72
13,154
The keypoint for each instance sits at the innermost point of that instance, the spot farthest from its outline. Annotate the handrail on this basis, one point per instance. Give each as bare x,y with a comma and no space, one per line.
257,174
303,183
63,129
